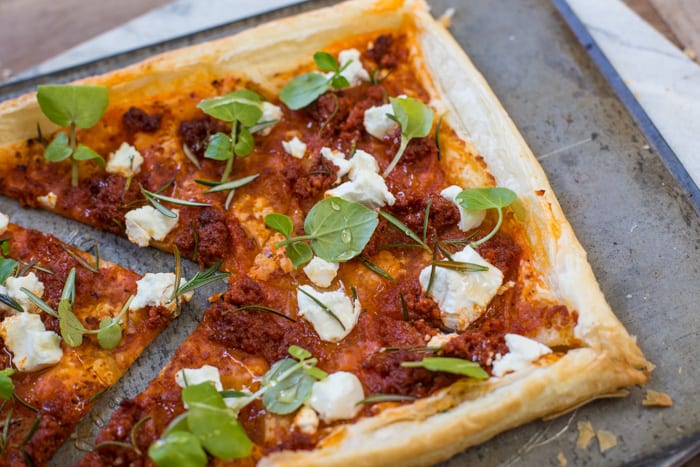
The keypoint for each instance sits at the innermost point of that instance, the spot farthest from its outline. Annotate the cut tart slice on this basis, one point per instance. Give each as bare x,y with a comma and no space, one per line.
72,324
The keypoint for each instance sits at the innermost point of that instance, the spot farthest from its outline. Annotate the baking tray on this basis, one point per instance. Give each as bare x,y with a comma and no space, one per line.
631,214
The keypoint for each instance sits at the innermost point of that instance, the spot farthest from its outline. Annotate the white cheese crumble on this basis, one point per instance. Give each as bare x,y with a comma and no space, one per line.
146,223
29,282
157,290
376,121
327,327
365,186
320,271
125,161
4,222
338,159
468,218
354,73
294,147
48,201
192,376
523,352
336,397
33,347
462,295
306,420
270,112
439,340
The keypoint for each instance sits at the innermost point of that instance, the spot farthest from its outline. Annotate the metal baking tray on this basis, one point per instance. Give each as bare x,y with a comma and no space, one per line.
634,217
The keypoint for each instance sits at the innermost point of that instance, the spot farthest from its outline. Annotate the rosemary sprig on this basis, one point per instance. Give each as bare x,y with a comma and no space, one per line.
426,218
459,266
132,438
437,135
376,398
156,199
6,300
404,307
375,268
81,261
263,308
33,265
39,302
403,228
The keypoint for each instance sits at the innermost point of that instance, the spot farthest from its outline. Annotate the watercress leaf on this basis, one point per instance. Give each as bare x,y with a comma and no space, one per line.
219,432
242,105
5,246
66,104
245,143
7,387
178,449
298,352
279,222
303,90
58,149
415,118
316,372
203,393
72,329
7,268
299,253
84,153
326,62
339,82
284,396
456,366
339,229
486,198
219,147
110,333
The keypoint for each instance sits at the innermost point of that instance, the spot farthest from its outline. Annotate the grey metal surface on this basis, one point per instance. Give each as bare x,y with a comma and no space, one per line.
641,233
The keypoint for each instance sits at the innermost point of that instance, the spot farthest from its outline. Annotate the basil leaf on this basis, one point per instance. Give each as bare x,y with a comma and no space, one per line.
219,431
486,198
287,395
178,449
339,229
242,105
58,149
7,268
219,147
7,387
72,329
70,104
281,223
303,90
299,253
245,143
456,366
110,333
84,153
326,62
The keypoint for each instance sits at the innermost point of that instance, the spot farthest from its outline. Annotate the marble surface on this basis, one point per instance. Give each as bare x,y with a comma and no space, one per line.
665,82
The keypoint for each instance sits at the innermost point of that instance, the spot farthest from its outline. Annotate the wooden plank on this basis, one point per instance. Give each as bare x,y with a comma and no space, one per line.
683,16
32,31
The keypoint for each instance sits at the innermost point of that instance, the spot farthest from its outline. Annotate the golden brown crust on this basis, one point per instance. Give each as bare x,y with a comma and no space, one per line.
465,414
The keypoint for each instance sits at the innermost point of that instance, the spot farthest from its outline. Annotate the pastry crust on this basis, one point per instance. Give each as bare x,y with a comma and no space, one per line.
467,413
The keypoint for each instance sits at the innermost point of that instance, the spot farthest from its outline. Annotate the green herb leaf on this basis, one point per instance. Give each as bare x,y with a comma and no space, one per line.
7,268
459,266
455,366
374,268
415,119
281,223
404,229
376,398
437,136
299,253
244,145
7,387
232,185
6,300
288,387
58,149
326,62
486,198
339,82
339,229
41,304
84,153
5,246
323,306
264,308
219,147
202,278
243,105
72,329
303,90
69,104
110,332
298,352
178,449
